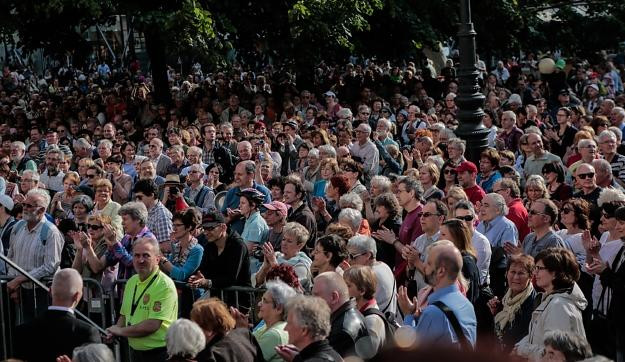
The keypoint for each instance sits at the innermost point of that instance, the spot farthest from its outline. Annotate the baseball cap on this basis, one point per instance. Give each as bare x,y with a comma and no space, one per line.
7,202
466,166
277,206
291,124
213,218
563,92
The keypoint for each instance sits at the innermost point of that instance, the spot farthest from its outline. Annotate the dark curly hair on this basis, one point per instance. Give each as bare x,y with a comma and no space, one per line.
336,245
563,264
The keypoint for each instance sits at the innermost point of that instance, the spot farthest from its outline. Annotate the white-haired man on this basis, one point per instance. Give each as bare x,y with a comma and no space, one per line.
608,145
362,251
35,245
365,151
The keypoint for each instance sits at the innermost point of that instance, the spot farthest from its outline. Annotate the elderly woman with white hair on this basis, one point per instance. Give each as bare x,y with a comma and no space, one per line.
272,310
379,185
294,238
351,218
185,339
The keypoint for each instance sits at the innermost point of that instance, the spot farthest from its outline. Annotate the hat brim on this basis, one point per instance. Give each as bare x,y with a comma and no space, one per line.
211,224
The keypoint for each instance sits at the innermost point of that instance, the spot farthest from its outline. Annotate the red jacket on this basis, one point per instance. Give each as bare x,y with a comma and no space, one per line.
517,213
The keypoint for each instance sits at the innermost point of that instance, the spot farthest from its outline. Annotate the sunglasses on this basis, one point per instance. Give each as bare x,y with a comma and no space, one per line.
534,212
427,214
91,176
566,210
354,256
583,176
450,172
94,227
465,218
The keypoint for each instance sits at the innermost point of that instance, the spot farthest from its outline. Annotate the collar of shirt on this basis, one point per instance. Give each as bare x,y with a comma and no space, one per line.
437,295
62,309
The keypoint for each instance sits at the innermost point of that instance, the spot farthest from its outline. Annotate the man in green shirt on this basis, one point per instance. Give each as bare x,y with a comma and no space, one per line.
149,305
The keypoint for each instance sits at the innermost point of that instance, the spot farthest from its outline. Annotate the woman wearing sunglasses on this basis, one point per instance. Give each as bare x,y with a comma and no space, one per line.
91,247
463,210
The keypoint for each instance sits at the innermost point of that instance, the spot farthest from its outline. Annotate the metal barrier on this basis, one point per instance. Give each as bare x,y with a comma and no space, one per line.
33,300
99,308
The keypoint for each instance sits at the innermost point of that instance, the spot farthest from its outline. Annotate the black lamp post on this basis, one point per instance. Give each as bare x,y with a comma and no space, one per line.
470,99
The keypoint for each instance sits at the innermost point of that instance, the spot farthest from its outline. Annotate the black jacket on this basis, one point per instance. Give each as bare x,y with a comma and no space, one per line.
319,351
348,326
239,345
304,215
615,279
519,327
54,334
224,158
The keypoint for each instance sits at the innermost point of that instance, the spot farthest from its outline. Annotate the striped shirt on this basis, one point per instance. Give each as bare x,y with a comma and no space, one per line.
29,252
160,222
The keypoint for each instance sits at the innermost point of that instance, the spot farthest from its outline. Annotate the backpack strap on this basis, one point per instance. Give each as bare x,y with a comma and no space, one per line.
464,342
43,233
199,198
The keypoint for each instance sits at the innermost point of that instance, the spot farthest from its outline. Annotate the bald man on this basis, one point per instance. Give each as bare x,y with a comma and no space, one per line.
435,324
348,325
57,332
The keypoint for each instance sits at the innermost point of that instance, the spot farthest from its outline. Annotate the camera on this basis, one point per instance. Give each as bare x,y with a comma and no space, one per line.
173,191
258,254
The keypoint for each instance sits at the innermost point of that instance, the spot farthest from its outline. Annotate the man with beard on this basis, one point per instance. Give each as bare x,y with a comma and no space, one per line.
52,177
19,160
35,245
449,318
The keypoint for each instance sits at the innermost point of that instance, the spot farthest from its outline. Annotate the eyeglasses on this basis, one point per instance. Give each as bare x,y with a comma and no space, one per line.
427,214
566,210
354,256
583,176
540,267
30,206
465,218
94,227
209,228
178,225
534,212
606,215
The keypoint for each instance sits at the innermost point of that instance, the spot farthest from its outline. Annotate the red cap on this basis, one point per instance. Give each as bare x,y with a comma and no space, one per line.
277,206
466,166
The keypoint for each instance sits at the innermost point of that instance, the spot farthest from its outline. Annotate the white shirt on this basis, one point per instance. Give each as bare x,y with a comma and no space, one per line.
608,251
386,293
484,252
54,183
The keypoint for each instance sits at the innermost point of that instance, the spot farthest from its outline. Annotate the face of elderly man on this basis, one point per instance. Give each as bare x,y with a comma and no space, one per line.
245,151
489,209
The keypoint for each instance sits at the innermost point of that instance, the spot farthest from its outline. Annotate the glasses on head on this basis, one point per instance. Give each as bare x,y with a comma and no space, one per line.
465,218
583,176
94,227
354,256
427,214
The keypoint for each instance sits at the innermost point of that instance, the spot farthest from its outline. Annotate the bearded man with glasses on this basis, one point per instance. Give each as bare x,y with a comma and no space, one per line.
35,245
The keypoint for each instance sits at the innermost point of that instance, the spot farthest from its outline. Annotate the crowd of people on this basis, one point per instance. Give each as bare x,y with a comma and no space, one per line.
350,205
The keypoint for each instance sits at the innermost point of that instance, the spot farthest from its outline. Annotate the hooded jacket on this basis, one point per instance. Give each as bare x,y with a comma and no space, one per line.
561,310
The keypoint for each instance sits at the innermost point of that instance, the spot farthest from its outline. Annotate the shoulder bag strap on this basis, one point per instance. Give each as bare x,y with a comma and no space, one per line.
464,342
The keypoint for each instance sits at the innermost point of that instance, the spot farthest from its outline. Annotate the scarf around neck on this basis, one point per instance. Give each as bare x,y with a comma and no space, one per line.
511,306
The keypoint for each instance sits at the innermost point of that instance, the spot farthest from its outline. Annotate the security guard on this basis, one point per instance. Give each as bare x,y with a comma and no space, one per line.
149,305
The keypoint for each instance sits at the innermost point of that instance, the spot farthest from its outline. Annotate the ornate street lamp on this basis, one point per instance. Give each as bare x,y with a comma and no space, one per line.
470,99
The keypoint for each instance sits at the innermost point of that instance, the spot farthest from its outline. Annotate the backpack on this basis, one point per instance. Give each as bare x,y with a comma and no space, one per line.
43,233
390,325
